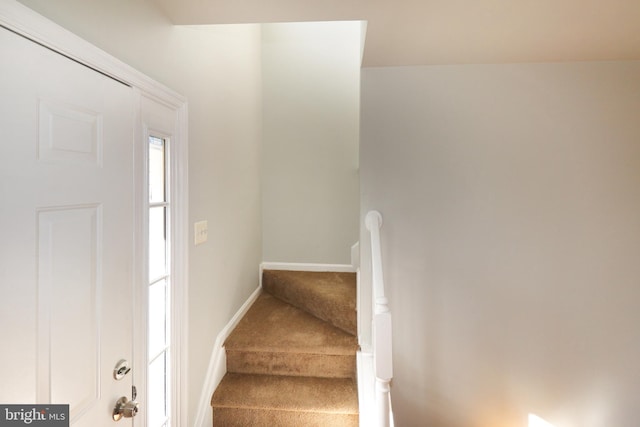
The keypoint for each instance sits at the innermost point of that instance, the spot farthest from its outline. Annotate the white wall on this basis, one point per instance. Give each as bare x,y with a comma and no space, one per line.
218,70
311,95
511,201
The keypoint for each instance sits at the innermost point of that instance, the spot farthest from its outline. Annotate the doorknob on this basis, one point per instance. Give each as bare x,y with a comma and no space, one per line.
125,408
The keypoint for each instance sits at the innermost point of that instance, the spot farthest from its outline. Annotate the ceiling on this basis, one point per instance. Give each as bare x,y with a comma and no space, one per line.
412,32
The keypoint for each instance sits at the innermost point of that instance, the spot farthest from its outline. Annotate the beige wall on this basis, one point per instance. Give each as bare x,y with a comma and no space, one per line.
511,201
218,70
311,95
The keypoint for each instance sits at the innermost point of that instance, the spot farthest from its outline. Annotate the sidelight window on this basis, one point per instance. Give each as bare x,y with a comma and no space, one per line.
159,292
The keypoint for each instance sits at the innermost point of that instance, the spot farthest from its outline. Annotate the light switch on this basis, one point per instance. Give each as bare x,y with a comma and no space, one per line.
200,230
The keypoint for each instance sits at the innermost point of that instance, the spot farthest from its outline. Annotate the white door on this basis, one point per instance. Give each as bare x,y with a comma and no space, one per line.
66,232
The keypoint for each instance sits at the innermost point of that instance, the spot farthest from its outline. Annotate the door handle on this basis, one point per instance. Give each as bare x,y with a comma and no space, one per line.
125,408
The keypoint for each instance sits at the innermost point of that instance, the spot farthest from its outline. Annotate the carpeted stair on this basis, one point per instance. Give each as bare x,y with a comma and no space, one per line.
291,360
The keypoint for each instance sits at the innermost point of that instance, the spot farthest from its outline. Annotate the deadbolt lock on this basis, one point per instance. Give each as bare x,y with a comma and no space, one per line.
122,368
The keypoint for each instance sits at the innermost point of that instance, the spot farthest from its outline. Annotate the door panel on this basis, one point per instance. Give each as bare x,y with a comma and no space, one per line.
67,301
66,230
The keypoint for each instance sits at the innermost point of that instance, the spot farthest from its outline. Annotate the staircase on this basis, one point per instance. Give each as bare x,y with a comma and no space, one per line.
291,360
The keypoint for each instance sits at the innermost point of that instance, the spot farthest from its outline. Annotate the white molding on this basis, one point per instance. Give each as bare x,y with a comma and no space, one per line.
218,363
141,299
181,260
355,256
162,119
338,268
28,23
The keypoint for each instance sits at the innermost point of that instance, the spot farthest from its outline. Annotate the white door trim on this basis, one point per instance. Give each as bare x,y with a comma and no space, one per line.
157,121
25,22
28,23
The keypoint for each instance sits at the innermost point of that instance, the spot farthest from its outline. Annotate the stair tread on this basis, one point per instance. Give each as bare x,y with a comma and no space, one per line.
275,326
330,296
304,394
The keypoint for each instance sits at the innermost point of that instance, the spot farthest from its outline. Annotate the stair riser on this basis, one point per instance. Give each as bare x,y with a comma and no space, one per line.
296,364
232,417
338,313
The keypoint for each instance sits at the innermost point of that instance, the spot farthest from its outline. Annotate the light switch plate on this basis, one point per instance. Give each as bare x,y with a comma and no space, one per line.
200,231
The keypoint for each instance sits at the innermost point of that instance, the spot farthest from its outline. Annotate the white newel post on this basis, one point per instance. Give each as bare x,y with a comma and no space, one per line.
381,325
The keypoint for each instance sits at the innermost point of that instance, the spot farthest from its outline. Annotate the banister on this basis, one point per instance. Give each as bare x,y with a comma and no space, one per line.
381,325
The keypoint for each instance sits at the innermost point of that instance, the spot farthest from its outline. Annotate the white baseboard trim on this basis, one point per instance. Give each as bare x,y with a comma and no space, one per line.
338,268
218,364
355,255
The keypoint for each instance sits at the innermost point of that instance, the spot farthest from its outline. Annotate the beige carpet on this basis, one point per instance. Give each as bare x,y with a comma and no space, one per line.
290,360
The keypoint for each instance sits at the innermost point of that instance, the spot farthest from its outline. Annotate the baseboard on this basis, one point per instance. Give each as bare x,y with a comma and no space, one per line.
338,268
218,364
355,255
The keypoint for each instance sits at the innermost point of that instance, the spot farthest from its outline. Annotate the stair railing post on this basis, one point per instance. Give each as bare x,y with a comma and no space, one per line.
381,325
383,391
